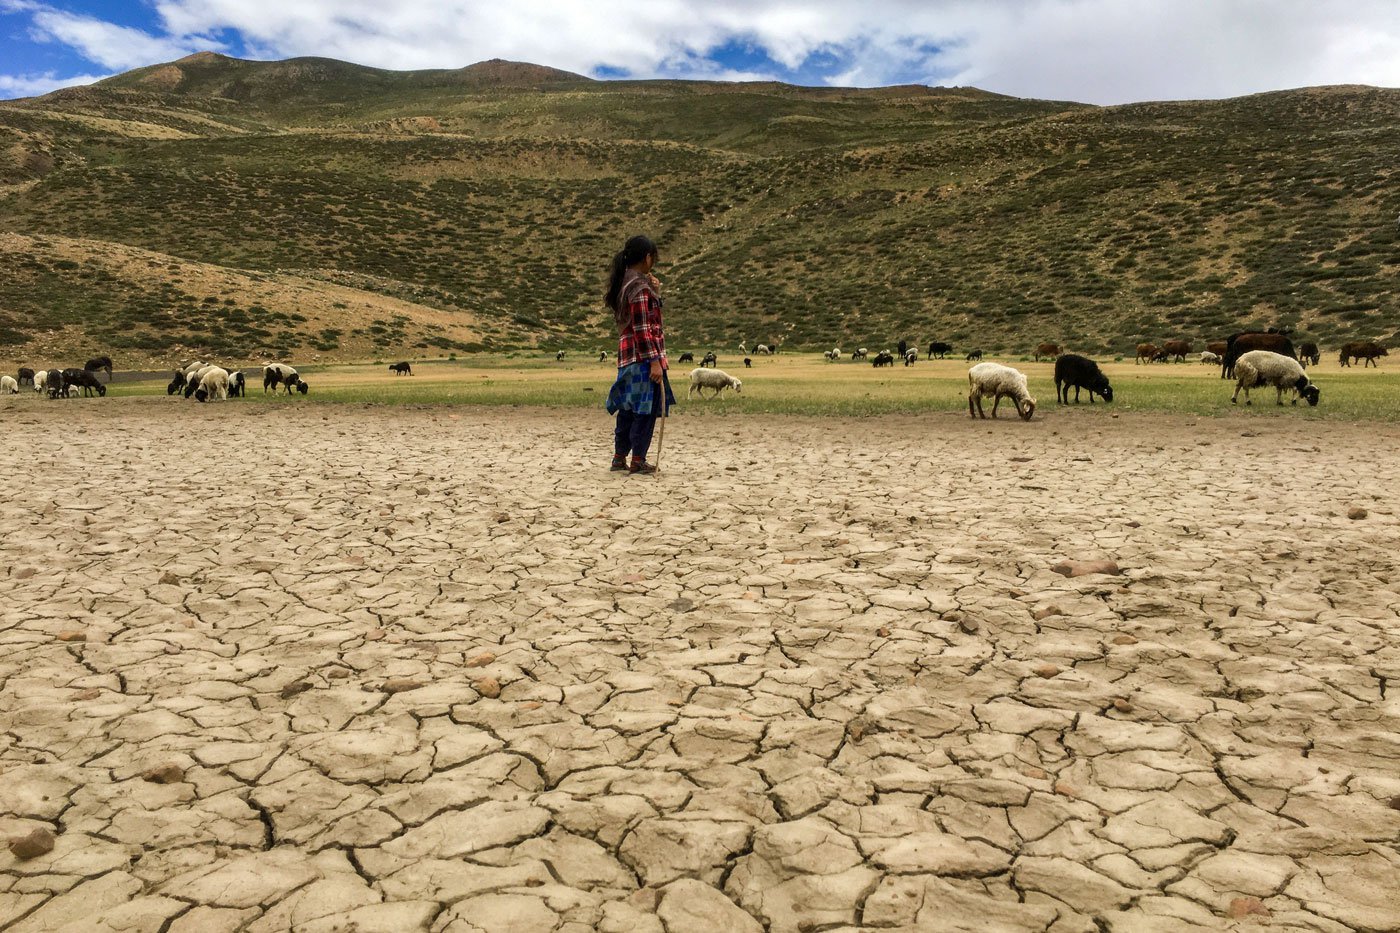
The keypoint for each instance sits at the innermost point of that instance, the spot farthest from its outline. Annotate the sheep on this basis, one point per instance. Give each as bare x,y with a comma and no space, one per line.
212,385
743,348
192,379
717,379
832,355
41,379
1210,359
176,384
237,384
973,356
602,356
763,349
938,349
401,369
1263,367
883,358
687,358
88,380
748,362
709,360
275,373
911,356
8,386
1050,350
558,357
1308,352
98,363
997,380
26,375
859,354
1080,372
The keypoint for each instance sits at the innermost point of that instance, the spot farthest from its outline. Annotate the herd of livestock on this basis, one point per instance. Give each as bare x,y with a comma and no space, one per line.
195,379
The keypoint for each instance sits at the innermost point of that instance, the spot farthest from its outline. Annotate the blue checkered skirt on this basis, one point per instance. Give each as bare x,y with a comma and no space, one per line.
635,392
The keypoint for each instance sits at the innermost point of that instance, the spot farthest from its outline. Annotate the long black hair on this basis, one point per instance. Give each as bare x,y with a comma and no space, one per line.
633,252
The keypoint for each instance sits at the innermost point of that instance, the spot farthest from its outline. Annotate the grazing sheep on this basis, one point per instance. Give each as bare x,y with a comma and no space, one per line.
401,369
858,354
717,379
1239,344
709,360
973,356
8,386
832,355
41,380
213,385
602,356
1308,352
938,349
748,363
26,375
280,373
687,358
883,358
192,379
1080,372
99,363
237,384
997,380
1263,367
911,356
1145,352
1177,348
762,348
1050,350
86,379
743,348
176,384
1210,358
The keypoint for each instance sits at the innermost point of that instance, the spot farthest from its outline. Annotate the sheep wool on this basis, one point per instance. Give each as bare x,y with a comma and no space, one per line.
998,381
717,379
1259,368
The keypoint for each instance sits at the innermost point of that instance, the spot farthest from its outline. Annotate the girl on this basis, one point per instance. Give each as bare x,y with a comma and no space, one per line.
641,389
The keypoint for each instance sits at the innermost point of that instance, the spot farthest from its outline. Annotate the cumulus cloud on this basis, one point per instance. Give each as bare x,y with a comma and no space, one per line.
34,85
1101,51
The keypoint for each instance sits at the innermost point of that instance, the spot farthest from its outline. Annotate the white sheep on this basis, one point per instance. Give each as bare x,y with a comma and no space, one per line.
1261,367
832,355
41,380
763,349
213,384
1210,359
717,379
997,380
859,354
8,386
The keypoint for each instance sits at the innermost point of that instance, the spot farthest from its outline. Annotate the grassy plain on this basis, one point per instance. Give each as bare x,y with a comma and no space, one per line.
807,385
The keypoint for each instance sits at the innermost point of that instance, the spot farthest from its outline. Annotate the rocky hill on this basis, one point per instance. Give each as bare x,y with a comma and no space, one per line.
319,207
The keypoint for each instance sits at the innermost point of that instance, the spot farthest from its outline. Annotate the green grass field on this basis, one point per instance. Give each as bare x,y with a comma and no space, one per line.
807,385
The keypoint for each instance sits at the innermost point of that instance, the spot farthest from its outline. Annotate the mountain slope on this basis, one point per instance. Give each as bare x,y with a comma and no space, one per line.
496,193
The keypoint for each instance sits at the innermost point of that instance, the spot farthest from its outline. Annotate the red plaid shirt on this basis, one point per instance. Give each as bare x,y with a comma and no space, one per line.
641,340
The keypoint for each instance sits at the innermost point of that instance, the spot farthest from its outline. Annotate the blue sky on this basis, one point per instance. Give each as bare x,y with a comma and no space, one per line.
1099,51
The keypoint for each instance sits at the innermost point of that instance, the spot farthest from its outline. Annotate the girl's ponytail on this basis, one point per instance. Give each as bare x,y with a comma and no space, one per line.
633,251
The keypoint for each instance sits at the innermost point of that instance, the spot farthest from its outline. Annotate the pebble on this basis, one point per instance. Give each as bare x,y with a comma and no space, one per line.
1124,640
480,660
1242,907
1122,705
488,687
72,636
169,579
401,684
1356,513
294,688
1079,568
164,774
1046,612
39,842
1046,670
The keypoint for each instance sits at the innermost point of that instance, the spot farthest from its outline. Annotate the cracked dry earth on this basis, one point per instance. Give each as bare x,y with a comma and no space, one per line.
394,670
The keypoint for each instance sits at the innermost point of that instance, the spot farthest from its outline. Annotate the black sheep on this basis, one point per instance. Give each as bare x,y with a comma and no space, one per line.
974,355
1082,373
883,358
938,349
176,384
687,358
82,377
401,369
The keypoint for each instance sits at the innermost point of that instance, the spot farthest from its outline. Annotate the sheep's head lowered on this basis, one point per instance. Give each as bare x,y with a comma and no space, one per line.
1308,391
1025,408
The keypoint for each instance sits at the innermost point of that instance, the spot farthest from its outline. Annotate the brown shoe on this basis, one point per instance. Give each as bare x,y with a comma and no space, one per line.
619,464
641,466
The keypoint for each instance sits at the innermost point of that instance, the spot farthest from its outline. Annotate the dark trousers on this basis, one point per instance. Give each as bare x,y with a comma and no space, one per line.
633,434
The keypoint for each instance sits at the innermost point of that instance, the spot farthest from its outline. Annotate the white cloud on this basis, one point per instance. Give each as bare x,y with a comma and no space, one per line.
1102,51
12,86
107,44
